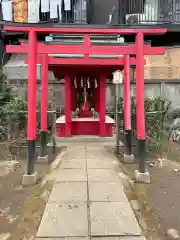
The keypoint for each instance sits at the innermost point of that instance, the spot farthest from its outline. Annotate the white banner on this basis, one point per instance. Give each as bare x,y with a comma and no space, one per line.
45,6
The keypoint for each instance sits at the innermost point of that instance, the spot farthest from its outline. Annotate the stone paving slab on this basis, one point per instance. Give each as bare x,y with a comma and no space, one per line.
106,191
64,220
102,175
74,163
96,155
94,163
97,150
95,238
75,152
68,238
71,175
113,218
69,192
73,156
77,149
101,157
119,238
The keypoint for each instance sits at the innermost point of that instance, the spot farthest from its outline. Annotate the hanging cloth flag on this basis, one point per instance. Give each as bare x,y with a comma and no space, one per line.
20,11
67,5
1,14
60,10
45,6
54,6
33,11
7,11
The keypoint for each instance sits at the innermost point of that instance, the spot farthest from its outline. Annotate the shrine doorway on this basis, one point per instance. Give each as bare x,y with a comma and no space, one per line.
85,90
85,108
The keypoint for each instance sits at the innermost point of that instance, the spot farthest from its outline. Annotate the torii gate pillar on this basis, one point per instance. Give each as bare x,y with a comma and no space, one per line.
102,110
141,175
43,157
128,156
68,106
30,177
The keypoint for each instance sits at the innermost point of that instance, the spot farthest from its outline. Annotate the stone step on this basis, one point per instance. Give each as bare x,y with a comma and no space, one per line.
81,140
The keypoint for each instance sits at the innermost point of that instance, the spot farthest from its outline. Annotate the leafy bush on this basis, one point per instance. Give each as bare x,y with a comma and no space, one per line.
5,90
5,96
13,110
156,110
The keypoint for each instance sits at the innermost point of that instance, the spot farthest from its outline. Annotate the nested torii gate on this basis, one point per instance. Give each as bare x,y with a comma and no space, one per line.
38,53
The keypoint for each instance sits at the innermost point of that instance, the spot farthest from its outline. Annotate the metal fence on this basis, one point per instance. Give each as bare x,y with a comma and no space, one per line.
98,12
152,11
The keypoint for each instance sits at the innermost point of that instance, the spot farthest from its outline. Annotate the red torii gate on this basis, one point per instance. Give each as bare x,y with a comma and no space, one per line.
112,65
33,48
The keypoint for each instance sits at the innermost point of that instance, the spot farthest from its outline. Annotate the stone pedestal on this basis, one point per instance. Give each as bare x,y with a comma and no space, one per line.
43,159
29,180
128,158
142,177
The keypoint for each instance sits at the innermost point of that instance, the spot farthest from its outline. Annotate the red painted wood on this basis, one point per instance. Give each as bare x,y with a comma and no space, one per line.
97,105
127,94
60,130
84,128
86,114
68,106
81,49
140,88
44,93
79,72
87,44
109,130
83,30
85,62
73,97
102,110
31,124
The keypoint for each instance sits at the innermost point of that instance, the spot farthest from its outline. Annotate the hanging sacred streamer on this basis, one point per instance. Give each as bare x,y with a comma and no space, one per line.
82,82
88,83
75,83
95,83
85,97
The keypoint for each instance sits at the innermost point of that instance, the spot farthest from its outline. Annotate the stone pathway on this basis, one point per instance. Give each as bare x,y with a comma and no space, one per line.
87,200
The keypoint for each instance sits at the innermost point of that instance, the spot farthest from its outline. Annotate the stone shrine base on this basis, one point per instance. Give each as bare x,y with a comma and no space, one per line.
84,126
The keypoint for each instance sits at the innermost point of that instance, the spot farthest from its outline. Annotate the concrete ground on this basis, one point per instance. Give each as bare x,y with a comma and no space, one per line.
21,208
88,199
